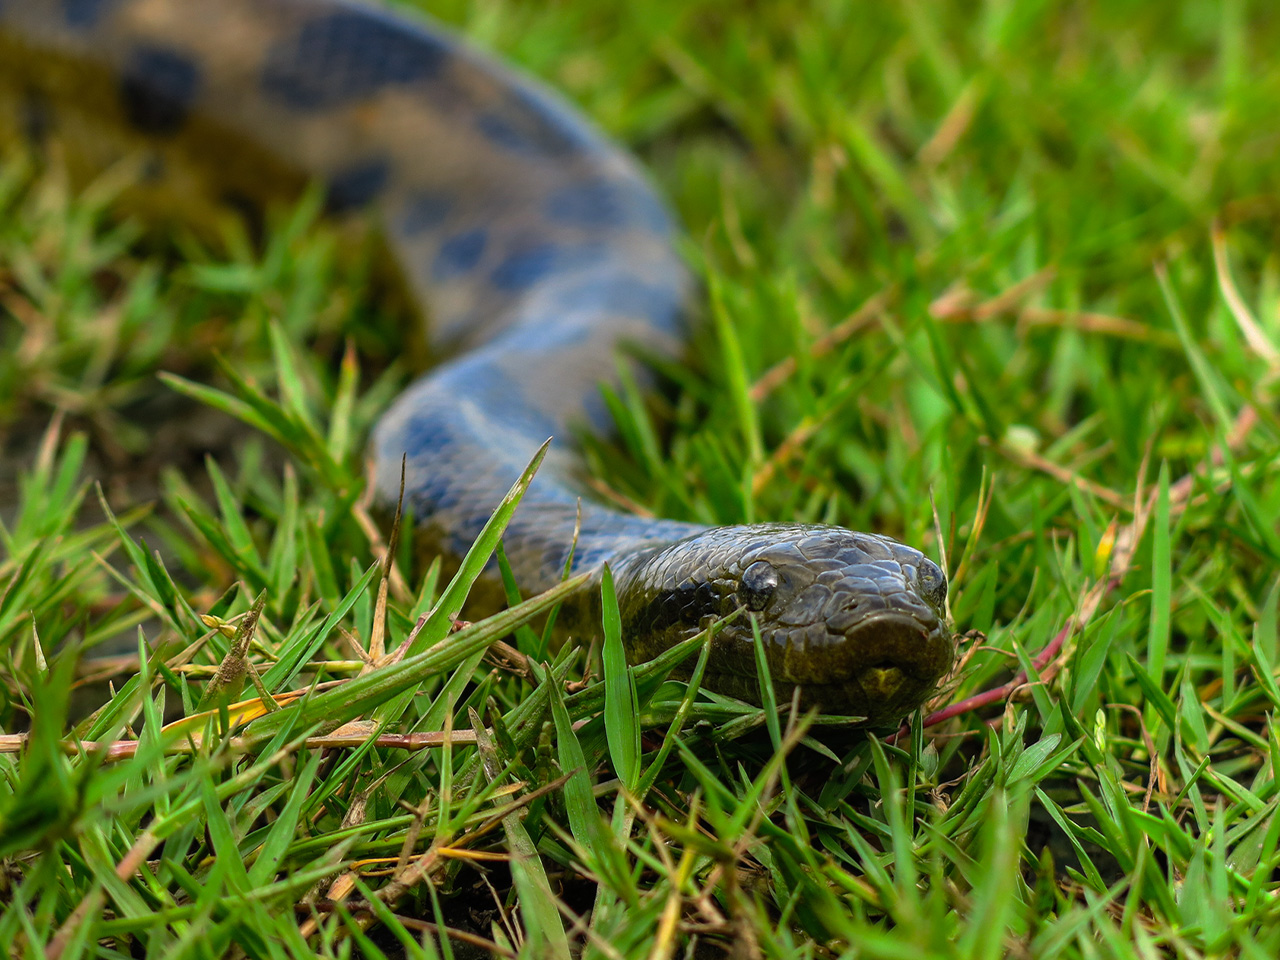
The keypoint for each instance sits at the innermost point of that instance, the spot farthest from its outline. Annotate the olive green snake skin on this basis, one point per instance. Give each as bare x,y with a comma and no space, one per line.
536,248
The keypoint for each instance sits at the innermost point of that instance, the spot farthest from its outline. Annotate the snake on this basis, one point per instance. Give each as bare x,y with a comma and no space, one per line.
543,262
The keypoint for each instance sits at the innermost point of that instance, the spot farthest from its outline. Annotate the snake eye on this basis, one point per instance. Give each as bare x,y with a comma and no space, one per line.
933,585
756,587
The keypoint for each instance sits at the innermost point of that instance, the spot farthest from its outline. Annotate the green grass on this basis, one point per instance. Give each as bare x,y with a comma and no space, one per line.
999,279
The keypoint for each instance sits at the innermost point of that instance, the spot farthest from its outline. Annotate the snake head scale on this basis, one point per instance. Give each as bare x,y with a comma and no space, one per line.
856,621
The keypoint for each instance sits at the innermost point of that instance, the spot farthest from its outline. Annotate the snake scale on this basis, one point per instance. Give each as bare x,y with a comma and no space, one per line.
536,248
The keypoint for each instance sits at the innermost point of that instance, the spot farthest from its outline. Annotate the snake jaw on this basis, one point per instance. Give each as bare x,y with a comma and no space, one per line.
914,653
854,621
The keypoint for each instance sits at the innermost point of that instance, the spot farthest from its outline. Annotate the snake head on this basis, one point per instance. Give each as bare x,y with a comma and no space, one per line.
854,620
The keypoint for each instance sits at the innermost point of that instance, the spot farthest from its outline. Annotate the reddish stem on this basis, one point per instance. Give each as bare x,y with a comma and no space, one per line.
995,694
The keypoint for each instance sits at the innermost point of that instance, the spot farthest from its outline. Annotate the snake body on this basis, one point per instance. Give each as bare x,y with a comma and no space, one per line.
536,248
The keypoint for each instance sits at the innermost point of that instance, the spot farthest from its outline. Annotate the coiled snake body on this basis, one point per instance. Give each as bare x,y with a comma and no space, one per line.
536,248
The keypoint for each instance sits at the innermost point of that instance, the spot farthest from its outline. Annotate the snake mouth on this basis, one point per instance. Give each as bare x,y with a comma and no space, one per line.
891,664
895,648
876,672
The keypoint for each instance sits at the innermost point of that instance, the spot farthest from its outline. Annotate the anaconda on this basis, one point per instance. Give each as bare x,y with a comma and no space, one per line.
537,249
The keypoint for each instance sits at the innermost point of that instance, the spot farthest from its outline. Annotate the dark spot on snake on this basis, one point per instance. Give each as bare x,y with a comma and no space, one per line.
443,498
501,132
421,434
533,123
584,558
85,13
157,89
459,254
553,557
349,55
425,211
608,203
524,268
357,186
